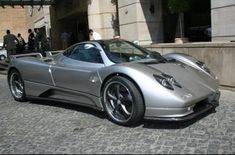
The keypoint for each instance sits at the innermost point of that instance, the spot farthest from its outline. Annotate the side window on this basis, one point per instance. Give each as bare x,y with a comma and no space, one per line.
68,51
86,52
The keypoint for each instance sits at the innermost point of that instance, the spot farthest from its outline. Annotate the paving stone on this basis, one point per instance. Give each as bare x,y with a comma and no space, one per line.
51,128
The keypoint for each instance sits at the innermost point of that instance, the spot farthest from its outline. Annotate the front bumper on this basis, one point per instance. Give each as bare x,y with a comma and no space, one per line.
198,109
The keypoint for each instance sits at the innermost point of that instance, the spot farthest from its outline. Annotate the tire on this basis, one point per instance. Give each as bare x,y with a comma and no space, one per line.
122,101
16,85
2,57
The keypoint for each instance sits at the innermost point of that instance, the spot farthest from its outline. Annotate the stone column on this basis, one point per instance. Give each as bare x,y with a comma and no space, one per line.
141,20
55,30
223,20
101,17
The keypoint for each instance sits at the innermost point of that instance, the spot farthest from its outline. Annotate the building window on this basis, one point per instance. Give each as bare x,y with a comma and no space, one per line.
196,22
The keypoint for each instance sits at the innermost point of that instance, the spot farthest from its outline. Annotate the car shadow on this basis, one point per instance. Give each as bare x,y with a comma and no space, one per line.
153,124
71,106
150,124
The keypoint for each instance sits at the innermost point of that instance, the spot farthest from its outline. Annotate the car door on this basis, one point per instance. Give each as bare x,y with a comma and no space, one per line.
76,70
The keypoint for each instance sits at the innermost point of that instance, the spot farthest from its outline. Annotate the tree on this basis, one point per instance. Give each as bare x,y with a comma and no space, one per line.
180,7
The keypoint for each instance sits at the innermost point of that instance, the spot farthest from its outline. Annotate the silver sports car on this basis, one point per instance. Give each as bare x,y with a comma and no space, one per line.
127,81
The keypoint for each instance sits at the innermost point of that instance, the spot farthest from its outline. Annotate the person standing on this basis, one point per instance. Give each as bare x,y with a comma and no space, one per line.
9,42
94,35
39,40
65,39
80,36
31,39
20,46
35,31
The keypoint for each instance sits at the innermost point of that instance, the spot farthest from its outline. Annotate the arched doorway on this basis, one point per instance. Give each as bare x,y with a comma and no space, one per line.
68,16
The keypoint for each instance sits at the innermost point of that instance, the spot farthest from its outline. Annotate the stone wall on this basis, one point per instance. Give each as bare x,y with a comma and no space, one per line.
102,17
219,57
13,19
64,16
141,20
223,20
38,17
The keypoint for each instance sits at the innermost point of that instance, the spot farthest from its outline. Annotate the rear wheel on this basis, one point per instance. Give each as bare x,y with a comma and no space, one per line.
123,101
16,85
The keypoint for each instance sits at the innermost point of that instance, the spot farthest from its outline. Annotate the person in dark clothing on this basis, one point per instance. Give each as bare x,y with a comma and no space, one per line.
9,42
31,39
39,40
20,46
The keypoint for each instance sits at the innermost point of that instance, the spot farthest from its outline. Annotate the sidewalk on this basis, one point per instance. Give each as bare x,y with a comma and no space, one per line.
46,127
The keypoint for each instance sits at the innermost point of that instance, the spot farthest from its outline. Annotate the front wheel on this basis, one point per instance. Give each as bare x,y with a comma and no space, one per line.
16,85
123,101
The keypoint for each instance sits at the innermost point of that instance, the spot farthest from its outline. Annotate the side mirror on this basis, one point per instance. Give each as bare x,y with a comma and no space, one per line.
155,53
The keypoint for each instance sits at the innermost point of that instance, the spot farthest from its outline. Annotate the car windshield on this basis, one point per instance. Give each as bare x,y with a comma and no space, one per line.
124,51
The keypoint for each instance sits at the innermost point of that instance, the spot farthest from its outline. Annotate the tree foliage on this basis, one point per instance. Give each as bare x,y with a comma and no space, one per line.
179,6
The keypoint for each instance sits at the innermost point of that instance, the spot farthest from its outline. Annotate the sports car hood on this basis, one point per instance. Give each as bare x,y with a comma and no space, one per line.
187,76
192,80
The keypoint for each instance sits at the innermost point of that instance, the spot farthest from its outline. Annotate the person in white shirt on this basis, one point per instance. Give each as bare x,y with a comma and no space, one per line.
20,46
94,35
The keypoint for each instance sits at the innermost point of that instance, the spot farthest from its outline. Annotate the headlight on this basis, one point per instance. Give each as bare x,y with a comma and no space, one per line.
163,82
203,66
167,81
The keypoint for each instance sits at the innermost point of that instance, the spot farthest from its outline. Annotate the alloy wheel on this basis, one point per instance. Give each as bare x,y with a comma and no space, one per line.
16,85
119,101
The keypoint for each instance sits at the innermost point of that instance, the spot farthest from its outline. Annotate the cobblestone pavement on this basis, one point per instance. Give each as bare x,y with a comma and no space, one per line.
52,127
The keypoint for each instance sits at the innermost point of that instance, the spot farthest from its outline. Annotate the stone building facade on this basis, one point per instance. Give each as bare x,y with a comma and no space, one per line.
223,20
20,19
39,17
131,20
147,21
13,19
139,22
77,17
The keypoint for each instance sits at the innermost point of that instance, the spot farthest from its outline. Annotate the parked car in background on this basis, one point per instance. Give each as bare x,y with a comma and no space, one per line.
199,33
3,52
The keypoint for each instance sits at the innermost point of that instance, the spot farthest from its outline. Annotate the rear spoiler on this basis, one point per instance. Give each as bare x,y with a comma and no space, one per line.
51,53
36,55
